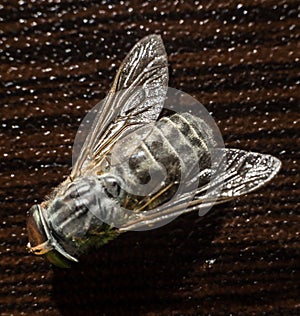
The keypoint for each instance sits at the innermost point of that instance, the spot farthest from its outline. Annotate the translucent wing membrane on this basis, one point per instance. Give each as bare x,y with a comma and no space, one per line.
244,172
136,98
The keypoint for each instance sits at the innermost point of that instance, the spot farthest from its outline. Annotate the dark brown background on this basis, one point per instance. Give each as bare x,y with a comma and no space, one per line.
241,60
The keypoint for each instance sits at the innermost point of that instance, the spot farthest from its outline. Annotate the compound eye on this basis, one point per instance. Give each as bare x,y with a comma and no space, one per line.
111,186
36,232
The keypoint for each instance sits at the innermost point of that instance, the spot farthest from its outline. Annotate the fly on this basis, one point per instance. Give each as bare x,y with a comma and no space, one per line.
137,169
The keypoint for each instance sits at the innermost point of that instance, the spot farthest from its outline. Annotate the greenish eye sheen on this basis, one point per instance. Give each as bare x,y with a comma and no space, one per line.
141,164
41,240
57,259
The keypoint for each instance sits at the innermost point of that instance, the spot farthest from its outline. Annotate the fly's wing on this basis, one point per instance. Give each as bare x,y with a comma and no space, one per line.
244,172
135,99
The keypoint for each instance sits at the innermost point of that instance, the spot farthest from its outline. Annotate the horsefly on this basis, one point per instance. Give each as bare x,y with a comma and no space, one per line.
145,155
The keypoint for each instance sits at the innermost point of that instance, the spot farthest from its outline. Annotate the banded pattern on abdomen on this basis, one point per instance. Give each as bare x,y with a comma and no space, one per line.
174,147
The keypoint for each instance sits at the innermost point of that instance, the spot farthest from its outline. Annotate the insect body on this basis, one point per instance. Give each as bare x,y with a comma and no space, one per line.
159,164
135,171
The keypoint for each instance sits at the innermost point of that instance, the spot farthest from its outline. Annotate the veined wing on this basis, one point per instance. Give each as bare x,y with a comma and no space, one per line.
135,99
244,172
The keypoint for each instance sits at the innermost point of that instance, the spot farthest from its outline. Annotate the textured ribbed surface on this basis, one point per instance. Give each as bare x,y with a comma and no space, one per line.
241,60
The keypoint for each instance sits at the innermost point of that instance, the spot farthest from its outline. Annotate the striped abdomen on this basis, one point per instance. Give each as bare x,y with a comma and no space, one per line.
171,152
